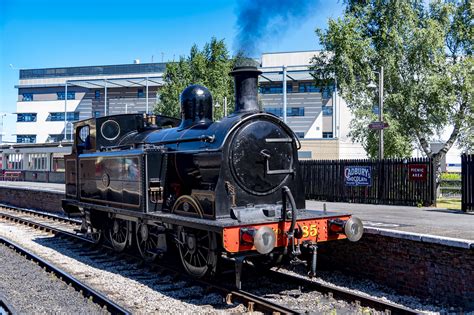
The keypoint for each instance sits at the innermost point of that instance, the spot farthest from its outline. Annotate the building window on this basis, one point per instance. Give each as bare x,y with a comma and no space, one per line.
300,134
25,138
327,135
295,111
275,111
58,164
327,92
26,117
14,161
308,87
327,110
97,94
59,116
70,95
140,93
55,138
290,111
27,97
97,113
38,161
275,88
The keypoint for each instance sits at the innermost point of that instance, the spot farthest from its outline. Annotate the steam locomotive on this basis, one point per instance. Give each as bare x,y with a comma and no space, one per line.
228,188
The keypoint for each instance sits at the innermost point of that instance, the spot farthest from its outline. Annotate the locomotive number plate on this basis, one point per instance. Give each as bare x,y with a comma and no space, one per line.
309,230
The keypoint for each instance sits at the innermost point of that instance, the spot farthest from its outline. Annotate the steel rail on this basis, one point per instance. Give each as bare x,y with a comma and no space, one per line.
43,227
252,301
43,214
343,294
87,291
5,307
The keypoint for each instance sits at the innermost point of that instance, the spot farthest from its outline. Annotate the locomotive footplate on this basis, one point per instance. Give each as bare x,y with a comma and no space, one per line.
305,217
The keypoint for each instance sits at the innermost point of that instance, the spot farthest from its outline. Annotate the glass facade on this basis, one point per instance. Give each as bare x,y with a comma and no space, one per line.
93,70
275,88
70,95
327,110
308,87
26,117
290,111
25,138
59,116
27,97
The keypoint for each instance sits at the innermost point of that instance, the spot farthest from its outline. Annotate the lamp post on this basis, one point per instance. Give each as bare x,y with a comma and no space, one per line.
372,85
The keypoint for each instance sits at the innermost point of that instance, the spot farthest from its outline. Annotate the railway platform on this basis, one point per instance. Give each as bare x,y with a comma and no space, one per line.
415,222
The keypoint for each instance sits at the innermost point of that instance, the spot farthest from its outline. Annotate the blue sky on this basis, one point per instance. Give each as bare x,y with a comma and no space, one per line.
41,34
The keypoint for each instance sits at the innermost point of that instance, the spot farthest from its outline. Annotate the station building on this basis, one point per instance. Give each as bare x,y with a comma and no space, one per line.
51,99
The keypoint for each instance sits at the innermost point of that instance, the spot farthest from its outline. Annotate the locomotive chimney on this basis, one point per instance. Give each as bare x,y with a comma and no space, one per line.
246,85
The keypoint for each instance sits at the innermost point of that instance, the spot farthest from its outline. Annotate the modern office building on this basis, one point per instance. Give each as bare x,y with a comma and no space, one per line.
50,100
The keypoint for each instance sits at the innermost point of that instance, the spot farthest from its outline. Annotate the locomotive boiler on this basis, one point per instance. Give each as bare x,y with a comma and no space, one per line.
228,188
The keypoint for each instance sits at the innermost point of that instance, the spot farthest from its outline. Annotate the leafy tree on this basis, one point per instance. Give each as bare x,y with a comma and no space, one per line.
426,52
209,67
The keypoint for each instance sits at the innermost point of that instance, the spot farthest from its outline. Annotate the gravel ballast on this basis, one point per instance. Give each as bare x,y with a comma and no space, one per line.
30,289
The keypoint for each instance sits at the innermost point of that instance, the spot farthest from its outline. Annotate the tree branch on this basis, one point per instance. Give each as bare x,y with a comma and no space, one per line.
424,144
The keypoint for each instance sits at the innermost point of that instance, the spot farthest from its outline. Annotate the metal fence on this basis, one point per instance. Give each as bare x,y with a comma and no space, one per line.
390,181
467,182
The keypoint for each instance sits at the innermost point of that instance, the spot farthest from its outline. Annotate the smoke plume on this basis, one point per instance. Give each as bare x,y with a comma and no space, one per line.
259,20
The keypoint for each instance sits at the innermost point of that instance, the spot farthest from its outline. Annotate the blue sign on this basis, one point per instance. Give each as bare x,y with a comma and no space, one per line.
358,175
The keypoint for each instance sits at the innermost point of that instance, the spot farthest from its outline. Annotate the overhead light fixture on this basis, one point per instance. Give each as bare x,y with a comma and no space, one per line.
372,85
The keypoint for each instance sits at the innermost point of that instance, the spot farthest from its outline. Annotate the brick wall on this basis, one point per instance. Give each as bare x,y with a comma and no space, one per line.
32,199
442,274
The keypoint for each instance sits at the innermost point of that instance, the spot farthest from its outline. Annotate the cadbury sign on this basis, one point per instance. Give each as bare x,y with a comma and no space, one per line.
358,175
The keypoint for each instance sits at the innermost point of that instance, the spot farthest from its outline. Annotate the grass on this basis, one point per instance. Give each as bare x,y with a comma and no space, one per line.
453,204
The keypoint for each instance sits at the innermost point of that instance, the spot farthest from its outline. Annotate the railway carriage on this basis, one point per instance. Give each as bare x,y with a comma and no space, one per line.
228,188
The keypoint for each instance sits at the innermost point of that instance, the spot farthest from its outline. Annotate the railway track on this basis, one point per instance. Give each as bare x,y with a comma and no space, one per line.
251,301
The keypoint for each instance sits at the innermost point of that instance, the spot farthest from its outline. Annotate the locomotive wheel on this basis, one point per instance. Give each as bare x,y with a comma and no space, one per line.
147,240
197,248
118,234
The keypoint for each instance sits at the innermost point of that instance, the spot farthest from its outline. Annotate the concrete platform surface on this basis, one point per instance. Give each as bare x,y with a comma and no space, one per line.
34,186
424,220
377,219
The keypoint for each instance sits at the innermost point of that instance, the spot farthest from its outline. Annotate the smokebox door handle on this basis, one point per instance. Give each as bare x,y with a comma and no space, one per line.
266,156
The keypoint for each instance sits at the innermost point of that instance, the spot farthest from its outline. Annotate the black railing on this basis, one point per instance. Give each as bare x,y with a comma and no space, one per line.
390,181
467,182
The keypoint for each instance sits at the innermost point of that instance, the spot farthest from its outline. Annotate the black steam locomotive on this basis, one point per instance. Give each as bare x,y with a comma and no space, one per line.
228,188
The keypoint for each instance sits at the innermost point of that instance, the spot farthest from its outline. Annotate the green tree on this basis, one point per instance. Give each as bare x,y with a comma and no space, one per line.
426,52
209,67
